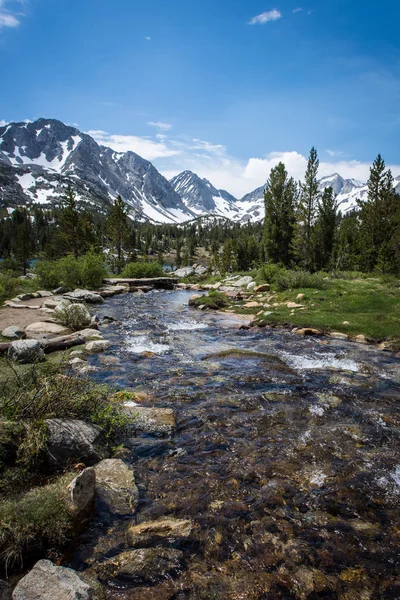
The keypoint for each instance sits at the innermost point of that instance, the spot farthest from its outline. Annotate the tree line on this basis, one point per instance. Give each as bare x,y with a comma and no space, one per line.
303,229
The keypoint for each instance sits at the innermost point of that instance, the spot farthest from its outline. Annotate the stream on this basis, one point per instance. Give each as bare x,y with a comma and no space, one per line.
285,456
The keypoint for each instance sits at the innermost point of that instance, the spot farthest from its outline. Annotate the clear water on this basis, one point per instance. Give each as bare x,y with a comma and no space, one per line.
287,461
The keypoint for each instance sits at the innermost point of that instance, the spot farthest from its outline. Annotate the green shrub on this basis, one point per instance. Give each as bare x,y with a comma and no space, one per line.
300,279
93,270
142,270
73,316
269,272
8,285
39,521
213,300
86,271
48,274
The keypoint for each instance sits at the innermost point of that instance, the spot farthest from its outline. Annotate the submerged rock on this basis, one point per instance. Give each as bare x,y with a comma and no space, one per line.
143,566
166,528
48,582
74,440
156,421
116,489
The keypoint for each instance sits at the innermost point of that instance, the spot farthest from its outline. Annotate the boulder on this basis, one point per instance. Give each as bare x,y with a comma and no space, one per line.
77,363
306,331
201,270
48,582
93,298
90,334
243,281
82,492
184,272
153,532
79,295
97,346
155,421
26,351
264,287
193,298
73,440
24,297
300,296
44,294
145,566
77,354
44,329
60,290
251,286
14,333
116,489
337,335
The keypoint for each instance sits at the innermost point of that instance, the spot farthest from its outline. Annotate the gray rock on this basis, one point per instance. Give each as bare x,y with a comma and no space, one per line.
14,333
26,351
116,489
48,582
143,566
44,294
93,298
77,354
184,272
44,330
82,492
251,285
97,346
77,362
243,281
23,297
60,290
201,270
73,440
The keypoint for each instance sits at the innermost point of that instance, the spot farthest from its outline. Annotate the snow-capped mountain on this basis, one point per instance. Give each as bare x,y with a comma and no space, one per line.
38,160
200,196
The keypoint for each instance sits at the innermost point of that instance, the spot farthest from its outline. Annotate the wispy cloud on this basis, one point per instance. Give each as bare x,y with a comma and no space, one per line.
145,147
266,17
160,125
297,10
9,16
335,153
148,38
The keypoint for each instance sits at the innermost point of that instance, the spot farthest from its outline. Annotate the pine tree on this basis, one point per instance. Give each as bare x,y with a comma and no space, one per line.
227,260
378,218
70,224
118,227
307,211
326,228
23,241
280,198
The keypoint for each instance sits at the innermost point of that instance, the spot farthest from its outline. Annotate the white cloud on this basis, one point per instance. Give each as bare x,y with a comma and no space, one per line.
160,125
173,154
297,10
266,17
145,147
8,17
335,153
148,38
3,122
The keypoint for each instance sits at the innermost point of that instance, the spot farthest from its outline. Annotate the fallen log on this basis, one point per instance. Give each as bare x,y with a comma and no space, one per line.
53,345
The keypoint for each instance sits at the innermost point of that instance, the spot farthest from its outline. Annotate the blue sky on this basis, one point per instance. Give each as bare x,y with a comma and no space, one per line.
223,87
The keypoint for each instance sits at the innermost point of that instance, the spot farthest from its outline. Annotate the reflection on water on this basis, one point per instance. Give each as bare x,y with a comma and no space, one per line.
285,456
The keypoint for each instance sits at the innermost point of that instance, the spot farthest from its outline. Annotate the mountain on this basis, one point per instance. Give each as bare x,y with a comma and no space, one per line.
200,196
38,160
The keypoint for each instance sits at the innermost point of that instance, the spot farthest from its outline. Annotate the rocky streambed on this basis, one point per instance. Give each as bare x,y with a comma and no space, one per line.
268,466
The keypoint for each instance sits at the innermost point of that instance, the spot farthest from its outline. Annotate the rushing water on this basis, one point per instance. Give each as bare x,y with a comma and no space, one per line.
286,461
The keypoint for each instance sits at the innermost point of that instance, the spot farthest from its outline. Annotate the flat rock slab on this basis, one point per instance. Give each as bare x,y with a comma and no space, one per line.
44,329
116,489
155,421
143,566
14,333
48,582
153,532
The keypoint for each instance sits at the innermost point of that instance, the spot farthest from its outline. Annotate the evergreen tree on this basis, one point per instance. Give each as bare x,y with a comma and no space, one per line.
70,230
326,228
378,219
118,227
307,212
280,200
227,260
23,241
